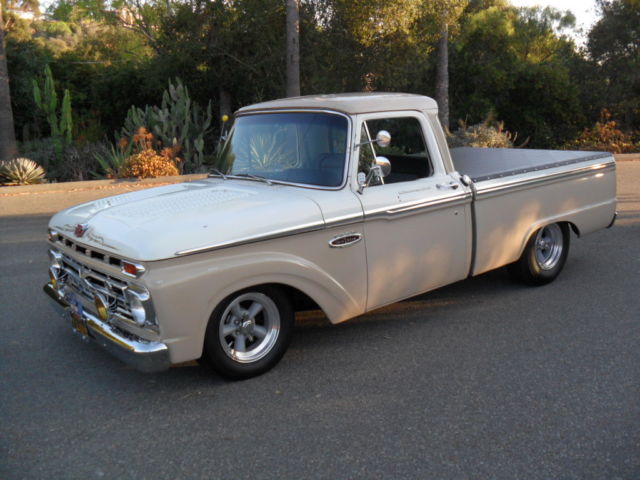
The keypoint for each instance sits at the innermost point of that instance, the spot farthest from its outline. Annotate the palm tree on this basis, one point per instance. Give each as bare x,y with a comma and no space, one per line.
293,48
442,77
8,147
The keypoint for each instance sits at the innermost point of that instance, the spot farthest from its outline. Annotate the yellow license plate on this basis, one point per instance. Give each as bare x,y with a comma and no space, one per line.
79,325
75,312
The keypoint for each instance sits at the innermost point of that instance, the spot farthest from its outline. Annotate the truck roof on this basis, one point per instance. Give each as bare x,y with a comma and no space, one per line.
351,103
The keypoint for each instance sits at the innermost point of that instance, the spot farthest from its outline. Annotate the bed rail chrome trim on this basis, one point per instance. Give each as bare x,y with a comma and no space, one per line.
540,168
525,183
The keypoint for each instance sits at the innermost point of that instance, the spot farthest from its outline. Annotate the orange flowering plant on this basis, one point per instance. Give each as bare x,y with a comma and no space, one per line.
606,136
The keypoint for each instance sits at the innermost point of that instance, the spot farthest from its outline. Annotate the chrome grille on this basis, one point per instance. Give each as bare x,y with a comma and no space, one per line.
88,281
103,257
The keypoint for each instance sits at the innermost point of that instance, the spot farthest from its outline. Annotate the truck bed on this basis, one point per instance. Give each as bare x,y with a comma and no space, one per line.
482,164
516,191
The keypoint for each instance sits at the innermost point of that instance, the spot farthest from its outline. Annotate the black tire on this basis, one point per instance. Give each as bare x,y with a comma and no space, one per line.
248,333
544,256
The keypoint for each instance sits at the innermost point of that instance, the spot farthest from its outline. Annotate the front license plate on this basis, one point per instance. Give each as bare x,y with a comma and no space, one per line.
75,312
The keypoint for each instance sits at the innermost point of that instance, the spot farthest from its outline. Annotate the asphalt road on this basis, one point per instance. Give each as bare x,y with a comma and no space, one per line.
484,379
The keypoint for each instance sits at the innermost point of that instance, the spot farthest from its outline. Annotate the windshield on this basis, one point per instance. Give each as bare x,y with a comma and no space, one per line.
308,148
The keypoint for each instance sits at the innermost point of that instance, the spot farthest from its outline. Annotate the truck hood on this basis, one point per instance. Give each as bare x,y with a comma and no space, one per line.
164,222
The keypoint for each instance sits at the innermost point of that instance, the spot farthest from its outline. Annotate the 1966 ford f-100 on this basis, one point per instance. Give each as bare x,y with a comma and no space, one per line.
343,202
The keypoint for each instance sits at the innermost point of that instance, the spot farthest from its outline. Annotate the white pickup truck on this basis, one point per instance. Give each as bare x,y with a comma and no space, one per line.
340,202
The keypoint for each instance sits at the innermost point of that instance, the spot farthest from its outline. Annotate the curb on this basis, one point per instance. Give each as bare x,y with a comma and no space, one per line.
627,157
49,198
97,184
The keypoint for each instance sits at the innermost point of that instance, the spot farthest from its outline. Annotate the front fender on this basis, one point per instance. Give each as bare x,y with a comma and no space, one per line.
185,291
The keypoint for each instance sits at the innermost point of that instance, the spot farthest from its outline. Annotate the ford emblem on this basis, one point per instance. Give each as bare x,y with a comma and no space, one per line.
81,229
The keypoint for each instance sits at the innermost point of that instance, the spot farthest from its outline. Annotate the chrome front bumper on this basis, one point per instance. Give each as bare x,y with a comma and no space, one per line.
144,356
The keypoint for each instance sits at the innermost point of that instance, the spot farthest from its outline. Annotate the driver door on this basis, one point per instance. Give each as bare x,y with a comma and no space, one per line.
417,219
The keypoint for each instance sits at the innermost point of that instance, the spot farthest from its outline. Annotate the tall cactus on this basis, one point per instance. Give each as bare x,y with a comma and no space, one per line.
178,121
46,100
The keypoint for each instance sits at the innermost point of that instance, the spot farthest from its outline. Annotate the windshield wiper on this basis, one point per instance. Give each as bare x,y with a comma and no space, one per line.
215,172
253,177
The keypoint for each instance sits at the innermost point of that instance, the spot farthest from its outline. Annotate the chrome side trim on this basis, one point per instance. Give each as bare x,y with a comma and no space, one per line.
344,221
418,207
345,240
311,227
523,184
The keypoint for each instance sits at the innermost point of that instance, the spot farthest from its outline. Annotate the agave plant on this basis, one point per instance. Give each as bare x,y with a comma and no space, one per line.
21,171
112,161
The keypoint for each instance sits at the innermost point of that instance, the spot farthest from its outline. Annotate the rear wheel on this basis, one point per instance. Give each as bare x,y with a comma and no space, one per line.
248,333
544,256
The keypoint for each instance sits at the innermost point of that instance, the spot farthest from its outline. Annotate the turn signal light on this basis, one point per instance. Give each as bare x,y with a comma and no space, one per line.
53,279
132,269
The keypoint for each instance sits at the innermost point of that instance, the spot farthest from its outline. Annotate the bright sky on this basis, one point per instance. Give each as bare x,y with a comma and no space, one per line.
584,11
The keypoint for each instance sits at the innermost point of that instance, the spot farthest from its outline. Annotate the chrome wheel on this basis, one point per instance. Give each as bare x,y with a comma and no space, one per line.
249,327
548,246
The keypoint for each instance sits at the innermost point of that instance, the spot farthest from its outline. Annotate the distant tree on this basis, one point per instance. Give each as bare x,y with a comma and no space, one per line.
614,45
512,63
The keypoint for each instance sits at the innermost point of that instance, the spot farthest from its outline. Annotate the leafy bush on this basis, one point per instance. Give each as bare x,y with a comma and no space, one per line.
486,134
605,136
179,123
78,159
21,171
41,151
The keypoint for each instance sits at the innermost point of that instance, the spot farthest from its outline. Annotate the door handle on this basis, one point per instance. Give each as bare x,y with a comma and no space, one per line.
450,186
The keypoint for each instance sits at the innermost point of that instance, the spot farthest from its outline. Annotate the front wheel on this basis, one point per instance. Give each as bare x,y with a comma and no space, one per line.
248,333
544,256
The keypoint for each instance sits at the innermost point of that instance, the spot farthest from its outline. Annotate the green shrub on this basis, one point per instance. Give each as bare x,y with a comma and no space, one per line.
487,134
77,160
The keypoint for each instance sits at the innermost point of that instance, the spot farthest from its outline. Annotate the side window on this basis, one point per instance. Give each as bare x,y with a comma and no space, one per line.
407,151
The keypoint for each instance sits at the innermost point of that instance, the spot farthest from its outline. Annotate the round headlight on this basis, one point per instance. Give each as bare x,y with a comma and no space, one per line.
102,308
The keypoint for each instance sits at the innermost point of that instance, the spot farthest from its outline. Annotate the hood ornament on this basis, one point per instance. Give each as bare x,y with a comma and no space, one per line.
81,229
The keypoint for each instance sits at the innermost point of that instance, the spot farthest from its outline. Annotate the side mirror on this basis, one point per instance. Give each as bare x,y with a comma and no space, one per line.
383,138
384,164
381,169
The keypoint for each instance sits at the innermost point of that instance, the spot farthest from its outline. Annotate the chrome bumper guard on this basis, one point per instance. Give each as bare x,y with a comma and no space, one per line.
143,356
